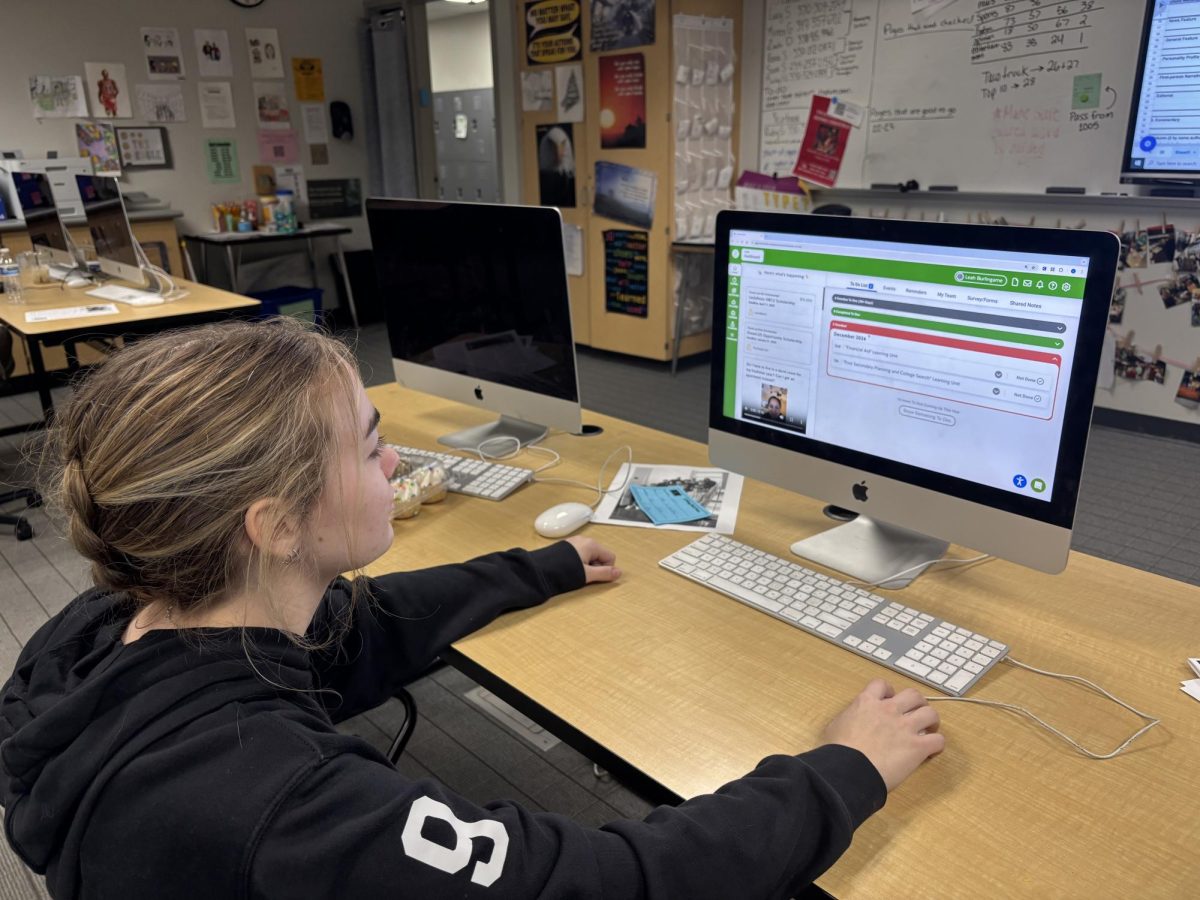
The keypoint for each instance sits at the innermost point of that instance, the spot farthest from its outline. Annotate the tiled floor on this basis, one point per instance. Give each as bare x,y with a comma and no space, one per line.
1137,506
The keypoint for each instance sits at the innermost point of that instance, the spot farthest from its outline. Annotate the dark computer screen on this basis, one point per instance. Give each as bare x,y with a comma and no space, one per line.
41,216
477,290
109,227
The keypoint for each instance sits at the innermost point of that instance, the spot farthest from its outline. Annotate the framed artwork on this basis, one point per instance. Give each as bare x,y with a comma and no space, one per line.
144,148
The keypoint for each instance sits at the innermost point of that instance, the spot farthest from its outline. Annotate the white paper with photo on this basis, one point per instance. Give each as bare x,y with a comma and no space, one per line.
57,97
537,91
266,59
292,178
271,105
108,90
717,490
160,103
164,54
214,57
216,104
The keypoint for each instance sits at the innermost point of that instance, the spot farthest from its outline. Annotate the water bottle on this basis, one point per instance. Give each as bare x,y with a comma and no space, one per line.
10,276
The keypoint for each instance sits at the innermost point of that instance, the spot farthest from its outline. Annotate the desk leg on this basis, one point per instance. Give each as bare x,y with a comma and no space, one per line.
72,356
40,378
337,246
233,274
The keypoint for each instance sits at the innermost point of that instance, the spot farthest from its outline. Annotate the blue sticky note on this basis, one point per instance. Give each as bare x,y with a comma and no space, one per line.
668,505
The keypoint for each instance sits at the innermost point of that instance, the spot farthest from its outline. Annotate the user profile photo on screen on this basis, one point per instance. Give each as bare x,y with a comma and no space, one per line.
772,407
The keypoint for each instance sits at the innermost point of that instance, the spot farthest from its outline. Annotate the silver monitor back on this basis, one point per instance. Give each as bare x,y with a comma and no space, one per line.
903,370
112,235
478,311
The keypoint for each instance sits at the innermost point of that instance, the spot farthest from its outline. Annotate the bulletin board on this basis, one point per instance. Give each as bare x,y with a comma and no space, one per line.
982,95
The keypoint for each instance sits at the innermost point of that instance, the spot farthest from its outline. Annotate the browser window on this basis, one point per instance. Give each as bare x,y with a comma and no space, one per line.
952,359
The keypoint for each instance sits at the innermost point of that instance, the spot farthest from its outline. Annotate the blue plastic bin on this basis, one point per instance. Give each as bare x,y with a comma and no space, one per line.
290,300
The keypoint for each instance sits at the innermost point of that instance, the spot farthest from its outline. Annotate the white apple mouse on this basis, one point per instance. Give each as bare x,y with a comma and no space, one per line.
559,521
76,281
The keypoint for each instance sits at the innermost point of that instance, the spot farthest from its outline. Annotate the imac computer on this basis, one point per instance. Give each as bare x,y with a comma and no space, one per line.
935,379
112,236
42,221
478,312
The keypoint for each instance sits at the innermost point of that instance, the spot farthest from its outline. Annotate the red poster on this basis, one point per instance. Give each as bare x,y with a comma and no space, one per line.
622,101
823,145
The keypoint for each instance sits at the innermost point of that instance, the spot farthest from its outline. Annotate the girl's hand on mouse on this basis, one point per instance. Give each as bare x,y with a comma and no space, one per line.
598,560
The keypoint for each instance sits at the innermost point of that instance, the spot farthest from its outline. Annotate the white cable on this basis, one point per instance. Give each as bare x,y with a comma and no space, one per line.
598,487
1151,721
532,445
922,566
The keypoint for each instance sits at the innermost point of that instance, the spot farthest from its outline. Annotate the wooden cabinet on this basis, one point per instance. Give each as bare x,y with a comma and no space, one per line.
652,336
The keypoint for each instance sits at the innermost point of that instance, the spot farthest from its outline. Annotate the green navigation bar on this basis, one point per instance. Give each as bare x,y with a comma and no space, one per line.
1041,283
994,334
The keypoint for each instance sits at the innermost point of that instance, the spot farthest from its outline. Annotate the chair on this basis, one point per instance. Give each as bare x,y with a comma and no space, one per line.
406,727
21,526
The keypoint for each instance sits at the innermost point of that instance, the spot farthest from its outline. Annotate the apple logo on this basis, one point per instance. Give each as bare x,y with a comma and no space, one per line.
860,491
478,393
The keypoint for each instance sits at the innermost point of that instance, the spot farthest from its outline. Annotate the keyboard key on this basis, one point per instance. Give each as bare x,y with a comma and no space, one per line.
909,665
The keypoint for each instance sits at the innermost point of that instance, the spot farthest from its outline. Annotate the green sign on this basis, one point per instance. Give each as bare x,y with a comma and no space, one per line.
220,155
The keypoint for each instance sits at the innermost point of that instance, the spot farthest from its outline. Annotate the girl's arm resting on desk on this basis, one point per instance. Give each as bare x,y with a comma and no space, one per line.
356,828
403,620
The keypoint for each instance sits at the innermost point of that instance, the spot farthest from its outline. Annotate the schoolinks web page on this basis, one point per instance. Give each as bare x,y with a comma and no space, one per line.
951,359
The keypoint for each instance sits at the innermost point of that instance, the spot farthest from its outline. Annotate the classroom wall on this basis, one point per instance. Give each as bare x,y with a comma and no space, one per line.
1153,324
56,37
460,53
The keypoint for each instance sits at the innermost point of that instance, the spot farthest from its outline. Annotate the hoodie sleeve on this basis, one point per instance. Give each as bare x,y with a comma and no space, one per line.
357,828
402,621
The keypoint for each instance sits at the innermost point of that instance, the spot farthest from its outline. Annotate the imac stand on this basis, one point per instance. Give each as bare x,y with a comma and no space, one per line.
872,552
504,427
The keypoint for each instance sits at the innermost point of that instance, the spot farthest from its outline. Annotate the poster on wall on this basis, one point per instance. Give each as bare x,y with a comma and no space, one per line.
625,194
556,165
144,148
823,146
537,91
214,58
164,54
221,158
309,79
279,146
216,104
626,268
334,198
552,29
98,142
622,101
270,101
162,103
108,90
266,59
57,97
568,82
617,24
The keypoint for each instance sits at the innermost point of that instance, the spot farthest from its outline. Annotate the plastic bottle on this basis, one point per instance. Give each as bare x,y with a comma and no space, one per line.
10,276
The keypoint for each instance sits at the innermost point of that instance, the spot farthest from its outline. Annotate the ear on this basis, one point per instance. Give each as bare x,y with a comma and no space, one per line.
269,529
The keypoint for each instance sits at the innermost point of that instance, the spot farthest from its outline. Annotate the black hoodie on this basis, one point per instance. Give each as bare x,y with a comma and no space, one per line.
171,767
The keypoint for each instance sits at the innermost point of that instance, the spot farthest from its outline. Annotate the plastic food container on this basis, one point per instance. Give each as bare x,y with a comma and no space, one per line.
416,481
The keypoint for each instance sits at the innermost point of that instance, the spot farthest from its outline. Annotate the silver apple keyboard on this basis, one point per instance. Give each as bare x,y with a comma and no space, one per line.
946,657
471,475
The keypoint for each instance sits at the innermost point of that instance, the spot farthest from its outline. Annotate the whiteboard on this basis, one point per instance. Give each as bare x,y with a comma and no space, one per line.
985,95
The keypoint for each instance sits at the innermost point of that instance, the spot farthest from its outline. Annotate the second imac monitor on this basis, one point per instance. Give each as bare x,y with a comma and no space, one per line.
937,379
478,312
112,236
42,221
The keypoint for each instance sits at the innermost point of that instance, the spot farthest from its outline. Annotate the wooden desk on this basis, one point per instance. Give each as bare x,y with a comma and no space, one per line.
693,689
202,304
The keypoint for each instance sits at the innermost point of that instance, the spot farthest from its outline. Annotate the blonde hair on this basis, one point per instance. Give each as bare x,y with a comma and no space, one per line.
162,449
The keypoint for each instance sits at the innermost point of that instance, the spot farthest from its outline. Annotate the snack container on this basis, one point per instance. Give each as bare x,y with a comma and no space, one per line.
430,476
